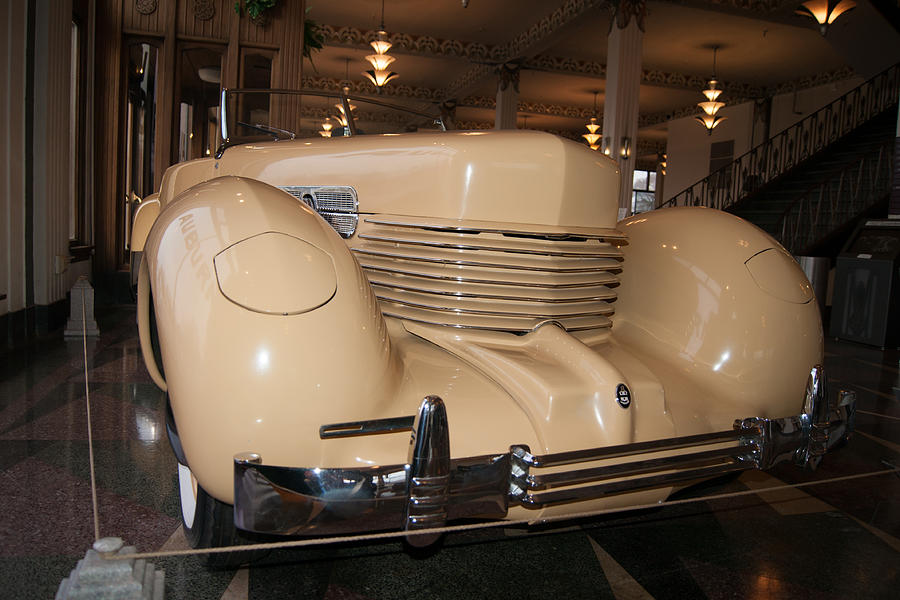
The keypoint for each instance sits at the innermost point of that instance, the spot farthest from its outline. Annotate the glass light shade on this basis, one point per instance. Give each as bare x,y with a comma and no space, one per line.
326,126
710,121
380,46
325,133
711,92
825,11
592,139
379,77
592,126
380,62
710,108
595,146
340,107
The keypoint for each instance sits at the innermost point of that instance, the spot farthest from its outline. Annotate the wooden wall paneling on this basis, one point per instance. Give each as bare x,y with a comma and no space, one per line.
231,67
165,152
288,75
194,21
154,22
109,102
288,64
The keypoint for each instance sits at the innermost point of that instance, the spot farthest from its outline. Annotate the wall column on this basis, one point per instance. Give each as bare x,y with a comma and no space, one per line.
623,80
507,96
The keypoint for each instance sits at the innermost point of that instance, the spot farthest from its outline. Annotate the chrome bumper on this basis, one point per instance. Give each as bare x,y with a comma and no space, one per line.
431,488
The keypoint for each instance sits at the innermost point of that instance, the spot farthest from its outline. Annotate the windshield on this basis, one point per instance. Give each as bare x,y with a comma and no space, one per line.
260,115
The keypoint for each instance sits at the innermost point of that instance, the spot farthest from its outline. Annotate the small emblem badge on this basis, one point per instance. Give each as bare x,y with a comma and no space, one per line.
623,395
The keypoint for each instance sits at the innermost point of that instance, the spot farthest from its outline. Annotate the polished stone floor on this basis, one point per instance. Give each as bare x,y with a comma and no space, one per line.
839,540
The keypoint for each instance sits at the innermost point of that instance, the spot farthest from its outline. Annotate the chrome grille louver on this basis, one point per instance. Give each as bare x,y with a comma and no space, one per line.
479,276
338,205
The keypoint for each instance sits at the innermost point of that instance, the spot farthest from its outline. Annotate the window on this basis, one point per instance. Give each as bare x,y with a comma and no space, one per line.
643,188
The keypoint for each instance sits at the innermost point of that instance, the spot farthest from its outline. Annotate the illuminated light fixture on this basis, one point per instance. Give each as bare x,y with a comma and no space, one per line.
712,105
592,136
326,129
825,11
625,147
342,116
663,163
381,60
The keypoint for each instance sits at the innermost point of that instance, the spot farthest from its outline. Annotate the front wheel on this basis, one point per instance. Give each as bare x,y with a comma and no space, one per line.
209,523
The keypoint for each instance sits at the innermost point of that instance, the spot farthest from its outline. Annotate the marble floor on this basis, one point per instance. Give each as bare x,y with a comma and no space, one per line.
839,540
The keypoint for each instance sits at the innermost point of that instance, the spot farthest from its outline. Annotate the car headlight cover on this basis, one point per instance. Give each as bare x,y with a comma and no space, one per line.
776,273
275,273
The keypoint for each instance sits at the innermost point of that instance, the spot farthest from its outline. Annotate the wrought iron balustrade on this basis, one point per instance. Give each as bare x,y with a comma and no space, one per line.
732,183
829,204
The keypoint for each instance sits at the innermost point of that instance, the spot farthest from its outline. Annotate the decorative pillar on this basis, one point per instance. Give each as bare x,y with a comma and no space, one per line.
623,80
507,96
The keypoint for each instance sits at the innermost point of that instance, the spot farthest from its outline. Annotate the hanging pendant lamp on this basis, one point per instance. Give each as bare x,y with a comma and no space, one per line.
709,119
592,137
381,60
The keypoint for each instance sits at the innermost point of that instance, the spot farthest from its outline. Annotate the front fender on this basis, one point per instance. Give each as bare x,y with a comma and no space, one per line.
256,298
722,311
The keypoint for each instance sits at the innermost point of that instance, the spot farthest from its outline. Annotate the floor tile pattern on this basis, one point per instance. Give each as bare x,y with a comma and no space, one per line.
839,540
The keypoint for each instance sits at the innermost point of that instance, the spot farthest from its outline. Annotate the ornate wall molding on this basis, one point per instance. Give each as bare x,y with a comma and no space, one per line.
146,7
625,10
204,10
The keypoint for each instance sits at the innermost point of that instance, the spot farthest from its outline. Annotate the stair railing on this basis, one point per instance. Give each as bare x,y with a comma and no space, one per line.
827,205
772,158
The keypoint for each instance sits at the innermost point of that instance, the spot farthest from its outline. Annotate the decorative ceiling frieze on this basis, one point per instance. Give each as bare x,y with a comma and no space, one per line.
524,44
472,51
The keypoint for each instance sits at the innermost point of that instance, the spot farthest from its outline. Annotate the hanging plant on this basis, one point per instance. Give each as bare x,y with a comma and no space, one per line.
256,9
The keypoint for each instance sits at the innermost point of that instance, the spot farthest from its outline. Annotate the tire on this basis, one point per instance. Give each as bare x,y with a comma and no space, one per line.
209,523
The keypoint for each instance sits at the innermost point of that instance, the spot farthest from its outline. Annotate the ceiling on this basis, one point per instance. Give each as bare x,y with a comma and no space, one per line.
445,51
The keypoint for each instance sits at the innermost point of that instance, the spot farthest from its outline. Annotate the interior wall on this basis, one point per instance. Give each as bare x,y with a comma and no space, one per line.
52,184
687,149
12,157
688,145
792,107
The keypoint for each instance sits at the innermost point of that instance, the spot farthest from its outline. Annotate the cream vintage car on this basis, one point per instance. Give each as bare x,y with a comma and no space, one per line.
394,332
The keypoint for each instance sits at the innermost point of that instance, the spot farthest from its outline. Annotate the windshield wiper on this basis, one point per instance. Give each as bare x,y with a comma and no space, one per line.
275,132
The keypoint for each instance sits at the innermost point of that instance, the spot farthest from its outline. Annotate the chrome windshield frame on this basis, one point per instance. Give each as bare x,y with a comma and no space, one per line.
225,140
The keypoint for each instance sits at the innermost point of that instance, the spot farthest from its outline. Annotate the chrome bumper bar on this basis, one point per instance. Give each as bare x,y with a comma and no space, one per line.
431,488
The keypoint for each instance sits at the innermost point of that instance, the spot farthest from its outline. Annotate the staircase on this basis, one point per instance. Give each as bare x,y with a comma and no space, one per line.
814,177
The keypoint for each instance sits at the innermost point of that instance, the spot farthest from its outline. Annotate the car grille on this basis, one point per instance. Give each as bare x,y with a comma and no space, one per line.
487,278
336,204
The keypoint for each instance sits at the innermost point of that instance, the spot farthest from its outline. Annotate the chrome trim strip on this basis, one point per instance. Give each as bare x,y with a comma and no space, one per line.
370,427
578,456
697,459
470,263
615,253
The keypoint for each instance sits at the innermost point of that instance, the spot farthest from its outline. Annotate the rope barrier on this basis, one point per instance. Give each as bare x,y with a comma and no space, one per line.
491,524
87,400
